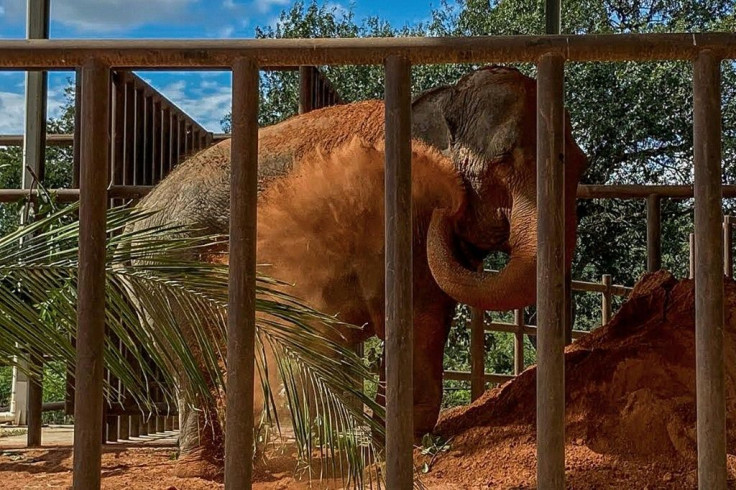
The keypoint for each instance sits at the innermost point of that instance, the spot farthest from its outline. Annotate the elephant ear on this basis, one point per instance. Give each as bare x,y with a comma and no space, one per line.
428,117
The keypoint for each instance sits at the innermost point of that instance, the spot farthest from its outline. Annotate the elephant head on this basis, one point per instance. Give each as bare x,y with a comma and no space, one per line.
486,122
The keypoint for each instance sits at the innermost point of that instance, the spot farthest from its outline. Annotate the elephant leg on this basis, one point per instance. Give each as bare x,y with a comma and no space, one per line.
201,441
431,327
430,336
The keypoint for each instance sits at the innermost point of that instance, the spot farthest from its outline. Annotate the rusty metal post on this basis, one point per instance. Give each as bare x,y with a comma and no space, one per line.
728,246
148,132
165,139
175,141
306,84
129,135
143,424
519,342
477,353
691,241
88,397
242,285
156,142
552,14
606,308
654,233
140,138
399,315
34,156
550,275
135,426
709,369
77,138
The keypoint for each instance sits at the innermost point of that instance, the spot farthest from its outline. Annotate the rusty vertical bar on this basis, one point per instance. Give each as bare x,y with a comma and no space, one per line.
182,135
399,343
477,353
606,305
550,275
88,401
143,424
728,246
242,294
165,139
654,233
124,420
709,369
569,306
129,135
34,163
173,141
306,83
117,153
519,342
691,241
147,139
187,138
140,137
552,14
76,145
155,142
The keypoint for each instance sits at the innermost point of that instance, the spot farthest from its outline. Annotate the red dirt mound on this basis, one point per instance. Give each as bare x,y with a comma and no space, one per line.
630,404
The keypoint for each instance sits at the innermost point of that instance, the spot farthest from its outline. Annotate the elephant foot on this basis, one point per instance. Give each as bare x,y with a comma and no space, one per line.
200,463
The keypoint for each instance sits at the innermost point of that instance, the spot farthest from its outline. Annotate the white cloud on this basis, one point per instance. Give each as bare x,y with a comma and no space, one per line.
206,102
2,10
12,108
225,32
117,15
264,6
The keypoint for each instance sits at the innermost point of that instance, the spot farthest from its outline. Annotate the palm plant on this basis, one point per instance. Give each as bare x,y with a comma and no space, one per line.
153,289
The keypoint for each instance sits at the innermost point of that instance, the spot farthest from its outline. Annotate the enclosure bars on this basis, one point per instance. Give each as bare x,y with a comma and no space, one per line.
550,274
91,282
242,276
39,55
709,374
33,174
399,343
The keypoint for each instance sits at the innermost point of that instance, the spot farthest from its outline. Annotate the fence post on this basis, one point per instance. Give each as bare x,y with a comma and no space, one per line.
519,342
550,274
94,155
242,277
399,316
709,370
728,246
654,233
691,241
306,84
606,300
477,353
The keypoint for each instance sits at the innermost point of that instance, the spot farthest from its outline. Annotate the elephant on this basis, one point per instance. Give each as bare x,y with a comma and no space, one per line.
485,126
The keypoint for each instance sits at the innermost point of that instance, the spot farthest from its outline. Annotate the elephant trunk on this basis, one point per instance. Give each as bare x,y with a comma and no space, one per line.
512,287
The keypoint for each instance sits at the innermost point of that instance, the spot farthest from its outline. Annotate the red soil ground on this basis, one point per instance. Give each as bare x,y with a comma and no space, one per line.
630,416
630,404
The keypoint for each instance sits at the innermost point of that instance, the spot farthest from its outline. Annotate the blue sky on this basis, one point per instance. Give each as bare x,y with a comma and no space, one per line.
205,96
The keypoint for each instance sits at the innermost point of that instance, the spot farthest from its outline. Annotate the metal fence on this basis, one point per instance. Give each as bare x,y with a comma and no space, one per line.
245,57
149,137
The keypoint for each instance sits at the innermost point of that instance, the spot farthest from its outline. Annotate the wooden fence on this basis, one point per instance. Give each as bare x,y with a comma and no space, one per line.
244,57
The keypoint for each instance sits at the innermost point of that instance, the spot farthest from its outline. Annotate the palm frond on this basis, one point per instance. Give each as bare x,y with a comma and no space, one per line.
166,317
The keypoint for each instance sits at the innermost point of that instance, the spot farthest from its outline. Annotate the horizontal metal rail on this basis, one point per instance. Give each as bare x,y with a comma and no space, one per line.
220,54
465,376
